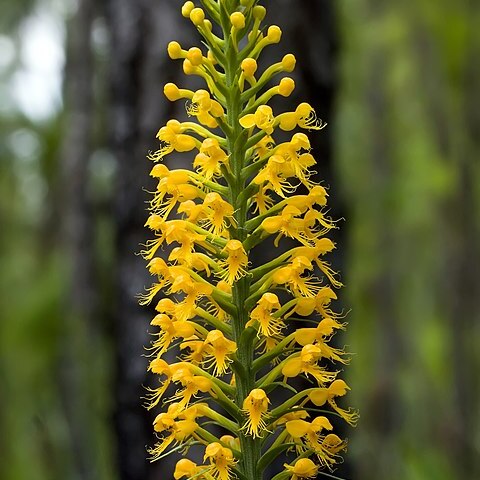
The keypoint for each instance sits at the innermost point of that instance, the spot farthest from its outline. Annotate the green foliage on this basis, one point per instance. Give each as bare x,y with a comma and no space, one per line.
404,155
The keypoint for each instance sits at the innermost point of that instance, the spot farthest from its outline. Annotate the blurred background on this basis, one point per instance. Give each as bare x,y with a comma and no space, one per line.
81,100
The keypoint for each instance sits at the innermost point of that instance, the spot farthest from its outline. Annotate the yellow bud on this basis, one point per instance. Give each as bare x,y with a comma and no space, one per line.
188,68
207,24
274,34
249,67
187,8
197,16
195,56
259,12
174,50
288,62
172,92
286,87
238,20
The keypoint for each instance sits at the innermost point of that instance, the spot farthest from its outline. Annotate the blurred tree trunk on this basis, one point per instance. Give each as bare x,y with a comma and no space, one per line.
80,321
128,38
465,262
140,31
408,154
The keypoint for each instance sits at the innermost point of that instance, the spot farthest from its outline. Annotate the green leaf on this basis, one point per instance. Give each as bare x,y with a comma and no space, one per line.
271,386
272,454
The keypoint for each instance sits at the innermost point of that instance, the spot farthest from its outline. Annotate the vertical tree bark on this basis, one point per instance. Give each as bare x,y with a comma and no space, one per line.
128,37
81,305
464,263
139,33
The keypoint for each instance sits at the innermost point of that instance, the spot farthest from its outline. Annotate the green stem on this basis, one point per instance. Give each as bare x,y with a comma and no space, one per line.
245,378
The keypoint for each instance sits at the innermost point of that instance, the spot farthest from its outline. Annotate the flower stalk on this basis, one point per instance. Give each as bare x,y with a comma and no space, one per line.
231,322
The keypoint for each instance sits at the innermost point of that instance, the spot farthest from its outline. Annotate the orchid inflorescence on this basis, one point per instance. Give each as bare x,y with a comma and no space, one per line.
226,320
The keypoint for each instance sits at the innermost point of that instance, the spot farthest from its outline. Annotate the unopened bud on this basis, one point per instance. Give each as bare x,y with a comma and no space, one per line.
259,12
171,91
207,24
238,20
188,68
286,87
174,50
249,67
197,16
187,8
274,34
195,56
288,62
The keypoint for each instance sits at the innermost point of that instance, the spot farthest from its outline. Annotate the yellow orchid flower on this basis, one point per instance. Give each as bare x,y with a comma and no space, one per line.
308,436
306,363
220,350
269,325
170,330
319,303
209,160
221,461
263,119
176,425
304,116
218,213
235,263
205,109
162,368
319,336
198,351
174,140
193,384
338,388
255,407
291,277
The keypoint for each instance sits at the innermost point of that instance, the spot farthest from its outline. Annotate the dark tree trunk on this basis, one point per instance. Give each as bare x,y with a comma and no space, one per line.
139,33
81,304
464,263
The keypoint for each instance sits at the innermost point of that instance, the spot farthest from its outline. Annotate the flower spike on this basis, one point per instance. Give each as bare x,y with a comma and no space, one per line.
232,321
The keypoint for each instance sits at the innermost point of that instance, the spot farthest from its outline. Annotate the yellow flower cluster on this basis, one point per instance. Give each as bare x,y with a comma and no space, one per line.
234,327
